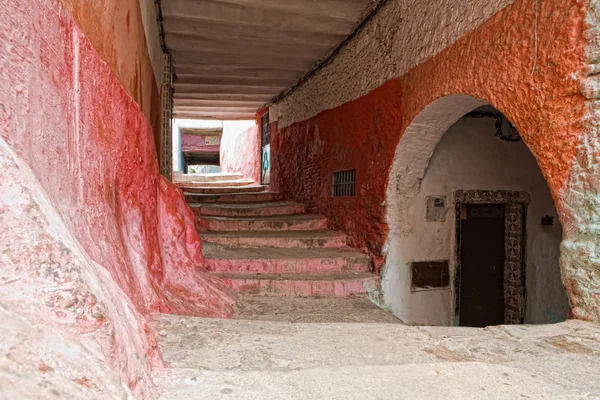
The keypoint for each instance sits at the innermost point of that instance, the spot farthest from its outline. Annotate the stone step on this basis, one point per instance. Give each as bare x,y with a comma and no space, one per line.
223,259
201,178
357,309
247,209
302,285
219,184
189,189
304,222
281,239
250,197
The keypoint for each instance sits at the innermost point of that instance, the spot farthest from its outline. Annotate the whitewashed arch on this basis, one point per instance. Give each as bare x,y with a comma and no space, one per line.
411,159
412,239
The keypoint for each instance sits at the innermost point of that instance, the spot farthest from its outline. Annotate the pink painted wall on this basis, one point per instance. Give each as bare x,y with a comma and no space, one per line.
197,144
66,116
240,152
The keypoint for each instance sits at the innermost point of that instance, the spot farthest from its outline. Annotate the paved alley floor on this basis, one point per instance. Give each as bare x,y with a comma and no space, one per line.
298,358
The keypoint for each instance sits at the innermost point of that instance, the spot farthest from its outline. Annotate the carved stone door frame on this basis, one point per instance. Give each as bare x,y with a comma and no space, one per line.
514,241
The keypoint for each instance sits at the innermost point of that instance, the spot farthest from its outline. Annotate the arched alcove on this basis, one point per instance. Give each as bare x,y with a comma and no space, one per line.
453,166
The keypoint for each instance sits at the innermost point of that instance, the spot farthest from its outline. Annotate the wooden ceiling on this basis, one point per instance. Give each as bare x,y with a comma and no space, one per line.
233,56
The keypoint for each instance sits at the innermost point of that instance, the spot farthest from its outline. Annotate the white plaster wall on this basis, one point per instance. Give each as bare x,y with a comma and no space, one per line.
240,149
232,128
404,34
470,157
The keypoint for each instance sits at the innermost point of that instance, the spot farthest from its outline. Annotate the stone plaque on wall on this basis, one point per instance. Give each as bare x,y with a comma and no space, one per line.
436,209
212,140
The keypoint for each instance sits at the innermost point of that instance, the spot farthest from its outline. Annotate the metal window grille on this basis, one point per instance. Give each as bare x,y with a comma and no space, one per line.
266,136
166,143
344,183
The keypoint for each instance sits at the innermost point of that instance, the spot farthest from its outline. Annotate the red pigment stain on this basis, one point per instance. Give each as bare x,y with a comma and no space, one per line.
85,382
43,367
122,46
100,169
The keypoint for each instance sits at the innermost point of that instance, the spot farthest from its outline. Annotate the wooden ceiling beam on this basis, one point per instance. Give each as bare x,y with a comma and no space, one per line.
344,9
266,97
201,131
186,25
303,18
235,60
215,109
232,71
231,89
229,81
214,116
249,48
217,103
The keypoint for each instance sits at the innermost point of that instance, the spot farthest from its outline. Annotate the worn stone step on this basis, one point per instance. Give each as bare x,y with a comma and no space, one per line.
302,285
219,184
250,197
247,209
222,259
202,178
281,239
190,189
305,222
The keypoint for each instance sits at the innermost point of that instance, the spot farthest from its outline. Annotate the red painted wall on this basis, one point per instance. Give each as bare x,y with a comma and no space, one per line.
115,30
493,63
360,135
65,113
92,150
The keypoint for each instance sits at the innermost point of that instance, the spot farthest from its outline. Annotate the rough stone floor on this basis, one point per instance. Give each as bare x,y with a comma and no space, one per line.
279,348
305,328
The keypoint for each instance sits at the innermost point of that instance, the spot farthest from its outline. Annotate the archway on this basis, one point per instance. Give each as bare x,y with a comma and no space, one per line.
450,164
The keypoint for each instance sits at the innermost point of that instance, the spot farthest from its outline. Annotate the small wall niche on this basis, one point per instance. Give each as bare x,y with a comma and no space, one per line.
428,275
436,209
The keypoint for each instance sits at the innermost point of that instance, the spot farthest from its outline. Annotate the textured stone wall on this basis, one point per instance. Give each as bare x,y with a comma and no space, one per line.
65,322
116,29
65,116
359,135
401,36
579,197
527,61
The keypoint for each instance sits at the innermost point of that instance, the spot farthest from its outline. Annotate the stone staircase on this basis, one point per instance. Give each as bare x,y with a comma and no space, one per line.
261,244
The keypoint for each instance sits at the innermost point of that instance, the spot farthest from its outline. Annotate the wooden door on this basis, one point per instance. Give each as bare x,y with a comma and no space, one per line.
482,255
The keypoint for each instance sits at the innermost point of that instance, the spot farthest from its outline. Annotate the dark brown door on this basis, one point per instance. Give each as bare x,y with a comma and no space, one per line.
482,265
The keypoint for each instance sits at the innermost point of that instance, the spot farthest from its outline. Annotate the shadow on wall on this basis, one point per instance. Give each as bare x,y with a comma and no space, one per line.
439,154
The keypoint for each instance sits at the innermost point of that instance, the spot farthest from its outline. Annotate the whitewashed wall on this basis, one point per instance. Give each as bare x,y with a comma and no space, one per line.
470,157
